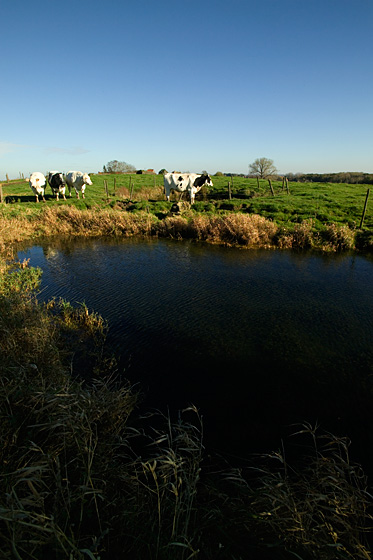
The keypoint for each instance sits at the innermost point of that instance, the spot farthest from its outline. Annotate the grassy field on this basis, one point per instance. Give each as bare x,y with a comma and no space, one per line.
307,215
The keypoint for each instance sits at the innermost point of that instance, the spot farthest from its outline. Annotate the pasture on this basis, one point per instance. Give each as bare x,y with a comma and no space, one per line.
323,203
321,216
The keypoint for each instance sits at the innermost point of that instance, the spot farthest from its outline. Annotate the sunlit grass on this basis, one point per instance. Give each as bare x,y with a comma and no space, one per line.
331,213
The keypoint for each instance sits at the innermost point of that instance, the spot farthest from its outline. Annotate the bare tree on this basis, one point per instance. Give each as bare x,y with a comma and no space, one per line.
116,166
263,168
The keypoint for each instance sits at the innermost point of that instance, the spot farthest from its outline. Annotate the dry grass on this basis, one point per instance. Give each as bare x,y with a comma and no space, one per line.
318,509
339,237
230,229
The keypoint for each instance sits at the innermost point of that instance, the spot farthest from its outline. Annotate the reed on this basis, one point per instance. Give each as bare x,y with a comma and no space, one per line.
150,219
318,507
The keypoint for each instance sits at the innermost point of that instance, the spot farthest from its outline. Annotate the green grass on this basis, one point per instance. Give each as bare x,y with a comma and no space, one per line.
324,203
328,213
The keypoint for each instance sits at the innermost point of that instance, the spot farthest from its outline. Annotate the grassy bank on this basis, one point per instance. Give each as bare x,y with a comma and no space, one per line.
320,216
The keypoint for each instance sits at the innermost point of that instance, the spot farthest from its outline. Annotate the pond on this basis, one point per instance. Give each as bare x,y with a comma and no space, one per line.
257,340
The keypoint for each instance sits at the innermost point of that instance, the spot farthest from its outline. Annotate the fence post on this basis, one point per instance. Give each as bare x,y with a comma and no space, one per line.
131,187
7,177
1,193
365,208
229,191
106,189
270,186
287,185
257,180
115,185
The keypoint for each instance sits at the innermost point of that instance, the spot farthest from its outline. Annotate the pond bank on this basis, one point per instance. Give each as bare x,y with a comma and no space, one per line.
230,229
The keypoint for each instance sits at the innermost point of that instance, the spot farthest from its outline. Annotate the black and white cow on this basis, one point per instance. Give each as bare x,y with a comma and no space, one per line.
37,183
78,181
57,183
185,182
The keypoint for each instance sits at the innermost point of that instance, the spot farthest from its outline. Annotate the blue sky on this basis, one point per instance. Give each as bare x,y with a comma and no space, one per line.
186,85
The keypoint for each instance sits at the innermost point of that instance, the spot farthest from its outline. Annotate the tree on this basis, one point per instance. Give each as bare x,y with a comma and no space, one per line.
116,166
263,168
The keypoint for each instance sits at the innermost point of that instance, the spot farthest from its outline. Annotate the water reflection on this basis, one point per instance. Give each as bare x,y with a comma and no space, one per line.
257,340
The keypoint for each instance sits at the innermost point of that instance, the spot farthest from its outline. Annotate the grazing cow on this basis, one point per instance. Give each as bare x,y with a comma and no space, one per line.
57,183
37,183
189,182
78,181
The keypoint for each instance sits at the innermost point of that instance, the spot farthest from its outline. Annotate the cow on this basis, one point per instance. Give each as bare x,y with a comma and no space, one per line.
189,182
37,183
78,181
57,183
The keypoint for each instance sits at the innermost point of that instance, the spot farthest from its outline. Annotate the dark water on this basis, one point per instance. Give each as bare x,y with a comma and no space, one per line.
256,340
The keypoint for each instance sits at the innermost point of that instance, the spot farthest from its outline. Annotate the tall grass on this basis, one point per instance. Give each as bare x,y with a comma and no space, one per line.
230,229
318,508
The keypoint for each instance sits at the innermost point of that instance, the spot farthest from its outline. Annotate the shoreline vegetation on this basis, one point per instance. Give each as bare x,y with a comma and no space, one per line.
236,211
86,474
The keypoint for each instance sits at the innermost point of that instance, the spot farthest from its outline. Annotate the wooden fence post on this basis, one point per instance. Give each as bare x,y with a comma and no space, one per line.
257,180
283,183
1,193
365,208
229,191
287,185
115,185
7,177
106,189
131,187
270,186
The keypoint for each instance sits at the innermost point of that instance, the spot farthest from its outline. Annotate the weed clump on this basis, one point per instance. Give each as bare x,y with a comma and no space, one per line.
319,508
339,237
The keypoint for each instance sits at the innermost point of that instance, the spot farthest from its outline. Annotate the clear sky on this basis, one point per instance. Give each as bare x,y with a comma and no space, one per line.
186,85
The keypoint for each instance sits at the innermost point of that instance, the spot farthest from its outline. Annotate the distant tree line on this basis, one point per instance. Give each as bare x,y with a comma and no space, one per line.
352,177
262,168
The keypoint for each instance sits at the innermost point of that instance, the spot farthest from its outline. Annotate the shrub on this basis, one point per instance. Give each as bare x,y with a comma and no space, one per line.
340,237
300,237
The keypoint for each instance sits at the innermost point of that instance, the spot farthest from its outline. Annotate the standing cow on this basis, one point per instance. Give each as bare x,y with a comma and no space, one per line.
37,183
185,182
78,181
57,183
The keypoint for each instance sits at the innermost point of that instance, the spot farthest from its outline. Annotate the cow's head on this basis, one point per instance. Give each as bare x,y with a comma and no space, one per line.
202,180
87,179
